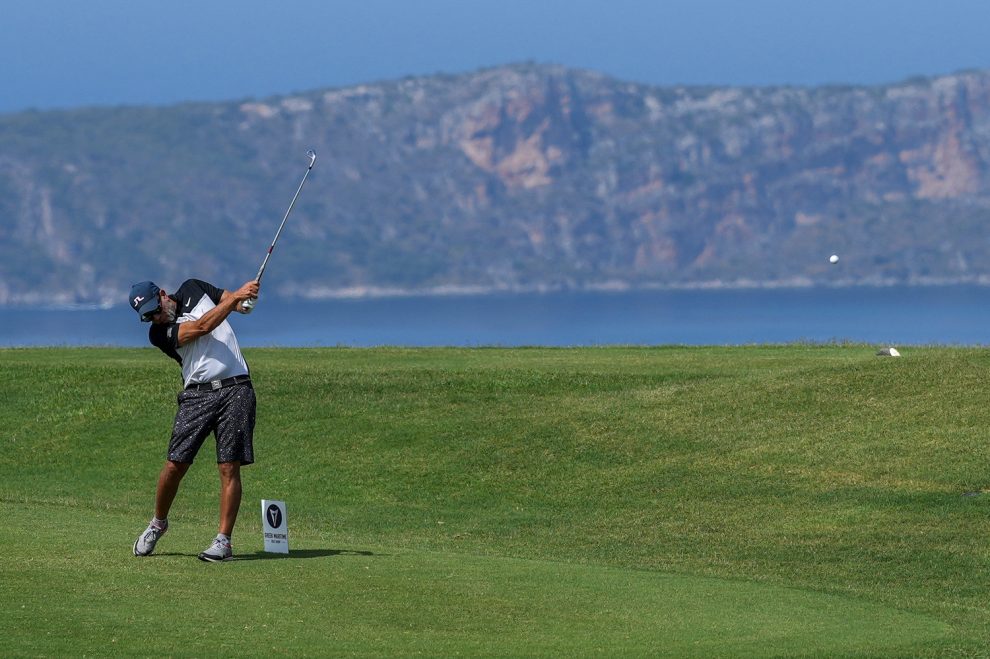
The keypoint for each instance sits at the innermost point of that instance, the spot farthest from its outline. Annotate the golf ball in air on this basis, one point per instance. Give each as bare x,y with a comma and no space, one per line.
834,258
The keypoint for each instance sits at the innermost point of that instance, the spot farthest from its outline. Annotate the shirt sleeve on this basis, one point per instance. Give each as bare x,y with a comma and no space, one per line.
166,339
212,291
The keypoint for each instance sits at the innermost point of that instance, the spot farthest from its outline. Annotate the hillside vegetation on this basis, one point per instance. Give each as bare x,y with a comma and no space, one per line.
523,177
636,501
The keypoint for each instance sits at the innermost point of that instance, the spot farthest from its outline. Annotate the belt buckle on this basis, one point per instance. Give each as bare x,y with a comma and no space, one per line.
215,385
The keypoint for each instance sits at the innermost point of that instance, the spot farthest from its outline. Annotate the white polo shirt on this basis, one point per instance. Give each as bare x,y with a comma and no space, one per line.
213,356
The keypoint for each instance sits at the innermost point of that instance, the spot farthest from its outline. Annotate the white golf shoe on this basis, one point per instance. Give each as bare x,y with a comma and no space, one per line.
219,550
145,544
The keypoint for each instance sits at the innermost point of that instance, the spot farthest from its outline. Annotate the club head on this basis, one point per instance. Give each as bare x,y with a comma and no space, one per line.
312,158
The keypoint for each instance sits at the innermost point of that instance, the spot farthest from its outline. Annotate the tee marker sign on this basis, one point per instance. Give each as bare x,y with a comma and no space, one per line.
275,525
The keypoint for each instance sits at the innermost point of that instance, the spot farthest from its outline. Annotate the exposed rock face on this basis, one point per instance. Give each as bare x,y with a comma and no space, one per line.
522,129
517,177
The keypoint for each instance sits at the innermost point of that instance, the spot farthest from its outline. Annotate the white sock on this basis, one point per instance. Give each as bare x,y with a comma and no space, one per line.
223,538
160,523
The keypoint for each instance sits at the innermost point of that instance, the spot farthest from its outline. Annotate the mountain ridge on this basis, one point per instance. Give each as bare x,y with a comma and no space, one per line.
515,178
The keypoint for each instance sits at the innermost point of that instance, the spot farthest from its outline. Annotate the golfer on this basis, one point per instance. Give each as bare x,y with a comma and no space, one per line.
191,327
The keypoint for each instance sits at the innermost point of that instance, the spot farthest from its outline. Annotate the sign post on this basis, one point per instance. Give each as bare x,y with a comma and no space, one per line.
275,524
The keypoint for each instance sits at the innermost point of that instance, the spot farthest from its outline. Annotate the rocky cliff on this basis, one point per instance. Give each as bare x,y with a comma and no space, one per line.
523,177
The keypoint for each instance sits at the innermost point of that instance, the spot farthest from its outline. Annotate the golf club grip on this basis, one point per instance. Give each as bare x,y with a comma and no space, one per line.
248,304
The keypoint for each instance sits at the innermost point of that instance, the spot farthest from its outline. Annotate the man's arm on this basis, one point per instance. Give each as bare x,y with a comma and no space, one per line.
193,329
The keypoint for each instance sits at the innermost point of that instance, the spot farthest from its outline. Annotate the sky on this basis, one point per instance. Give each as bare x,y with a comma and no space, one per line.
68,53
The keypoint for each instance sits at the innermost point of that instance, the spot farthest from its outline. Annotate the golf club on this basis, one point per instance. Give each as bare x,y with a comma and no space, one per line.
248,305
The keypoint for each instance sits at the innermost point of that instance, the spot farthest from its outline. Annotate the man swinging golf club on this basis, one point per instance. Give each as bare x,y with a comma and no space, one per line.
191,327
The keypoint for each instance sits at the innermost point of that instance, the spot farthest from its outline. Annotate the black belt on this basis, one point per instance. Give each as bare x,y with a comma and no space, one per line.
214,385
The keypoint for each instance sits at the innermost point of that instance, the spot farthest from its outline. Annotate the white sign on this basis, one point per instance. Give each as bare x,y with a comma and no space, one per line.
275,524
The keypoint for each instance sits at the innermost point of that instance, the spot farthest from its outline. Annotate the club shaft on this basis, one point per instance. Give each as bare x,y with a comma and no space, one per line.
264,264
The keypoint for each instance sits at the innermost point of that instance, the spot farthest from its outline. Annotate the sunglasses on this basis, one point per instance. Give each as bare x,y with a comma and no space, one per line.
150,315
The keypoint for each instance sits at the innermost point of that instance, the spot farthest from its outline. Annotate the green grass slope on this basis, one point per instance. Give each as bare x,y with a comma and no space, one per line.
792,500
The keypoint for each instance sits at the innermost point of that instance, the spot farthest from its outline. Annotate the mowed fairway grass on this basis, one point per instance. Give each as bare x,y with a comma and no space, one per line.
674,501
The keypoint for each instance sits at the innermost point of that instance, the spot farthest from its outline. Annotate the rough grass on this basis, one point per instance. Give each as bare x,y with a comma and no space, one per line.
791,500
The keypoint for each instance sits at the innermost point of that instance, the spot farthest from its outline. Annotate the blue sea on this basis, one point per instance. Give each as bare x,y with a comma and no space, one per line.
891,316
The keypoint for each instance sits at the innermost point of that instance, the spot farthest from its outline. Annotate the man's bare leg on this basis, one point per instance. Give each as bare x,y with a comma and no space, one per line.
168,486
230,495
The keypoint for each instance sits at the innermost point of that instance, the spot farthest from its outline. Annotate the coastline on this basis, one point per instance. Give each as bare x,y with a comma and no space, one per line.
618,286
37,302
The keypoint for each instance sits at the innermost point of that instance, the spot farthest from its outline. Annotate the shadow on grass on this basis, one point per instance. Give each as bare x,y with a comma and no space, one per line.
294,553
304,553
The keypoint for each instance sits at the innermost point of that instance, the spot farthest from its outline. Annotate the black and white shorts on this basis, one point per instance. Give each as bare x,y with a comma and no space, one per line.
228,413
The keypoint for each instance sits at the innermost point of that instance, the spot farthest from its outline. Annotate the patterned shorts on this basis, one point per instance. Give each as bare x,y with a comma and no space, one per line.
228,413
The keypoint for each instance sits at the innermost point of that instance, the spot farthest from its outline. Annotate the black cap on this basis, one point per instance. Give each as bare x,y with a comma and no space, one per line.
144,300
